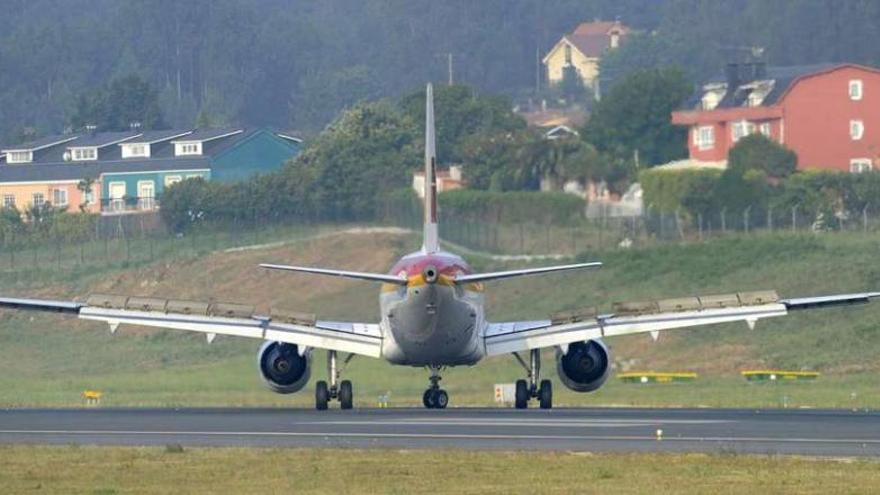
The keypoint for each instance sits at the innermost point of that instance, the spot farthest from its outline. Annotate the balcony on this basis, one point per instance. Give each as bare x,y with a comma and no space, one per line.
128,204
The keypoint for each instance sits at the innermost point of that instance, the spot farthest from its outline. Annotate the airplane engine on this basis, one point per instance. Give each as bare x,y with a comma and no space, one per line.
585,366
282,367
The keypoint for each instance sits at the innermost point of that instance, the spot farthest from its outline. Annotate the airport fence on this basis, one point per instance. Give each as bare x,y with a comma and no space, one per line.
132,240
651,226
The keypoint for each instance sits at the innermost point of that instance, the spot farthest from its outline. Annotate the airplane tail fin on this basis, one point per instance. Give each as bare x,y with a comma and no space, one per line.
431,241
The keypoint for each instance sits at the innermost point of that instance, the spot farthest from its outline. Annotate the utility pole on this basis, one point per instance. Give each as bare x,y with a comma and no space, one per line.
449,67
450,74
537,69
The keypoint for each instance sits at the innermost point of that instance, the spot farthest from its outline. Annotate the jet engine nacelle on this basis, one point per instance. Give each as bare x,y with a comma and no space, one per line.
584,367
282,367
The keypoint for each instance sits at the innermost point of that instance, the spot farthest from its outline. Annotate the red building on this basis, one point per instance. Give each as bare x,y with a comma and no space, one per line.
828,114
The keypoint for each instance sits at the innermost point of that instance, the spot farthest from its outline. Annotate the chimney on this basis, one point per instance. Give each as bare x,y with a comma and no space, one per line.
134,126
760,70
731,73
747,72
91,129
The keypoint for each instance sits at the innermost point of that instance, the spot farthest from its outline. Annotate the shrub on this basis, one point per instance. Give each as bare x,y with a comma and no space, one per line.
669,190
511,207
758,152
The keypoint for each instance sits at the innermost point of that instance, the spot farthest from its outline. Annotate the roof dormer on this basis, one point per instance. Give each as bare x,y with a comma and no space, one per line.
712,95
87,148
25,153
82,153
194,143
142,147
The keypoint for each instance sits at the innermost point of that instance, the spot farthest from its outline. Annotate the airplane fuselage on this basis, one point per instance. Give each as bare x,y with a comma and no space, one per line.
431,320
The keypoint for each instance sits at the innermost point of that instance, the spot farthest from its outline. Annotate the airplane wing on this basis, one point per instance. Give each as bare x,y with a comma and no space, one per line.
652,317
214,319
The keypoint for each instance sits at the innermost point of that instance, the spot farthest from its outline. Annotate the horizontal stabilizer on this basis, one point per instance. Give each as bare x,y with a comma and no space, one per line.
373,277
482,277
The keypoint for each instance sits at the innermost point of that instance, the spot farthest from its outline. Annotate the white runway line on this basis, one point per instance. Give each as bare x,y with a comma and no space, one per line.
552,423
451,436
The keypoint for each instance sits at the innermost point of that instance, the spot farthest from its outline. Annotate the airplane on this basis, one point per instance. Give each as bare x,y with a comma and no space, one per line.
432,315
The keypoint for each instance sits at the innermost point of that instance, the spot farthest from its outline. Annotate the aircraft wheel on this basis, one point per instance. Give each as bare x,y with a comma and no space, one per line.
545,394
522,394
429,398
322,395
346,395
441,399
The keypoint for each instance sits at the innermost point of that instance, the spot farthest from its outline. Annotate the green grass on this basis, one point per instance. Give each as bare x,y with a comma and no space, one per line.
50,360
111,470
53,261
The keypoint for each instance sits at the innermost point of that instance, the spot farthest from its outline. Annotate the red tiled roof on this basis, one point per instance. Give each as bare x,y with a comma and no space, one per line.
592,38
594,28
591,45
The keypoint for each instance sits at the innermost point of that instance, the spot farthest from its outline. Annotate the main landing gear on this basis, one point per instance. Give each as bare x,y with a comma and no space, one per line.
435,397
527,390
337,390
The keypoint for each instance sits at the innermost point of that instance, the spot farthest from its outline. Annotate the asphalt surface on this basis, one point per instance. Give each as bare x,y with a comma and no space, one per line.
803,432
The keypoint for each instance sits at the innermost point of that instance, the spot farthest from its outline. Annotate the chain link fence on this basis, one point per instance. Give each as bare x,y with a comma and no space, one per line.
133,240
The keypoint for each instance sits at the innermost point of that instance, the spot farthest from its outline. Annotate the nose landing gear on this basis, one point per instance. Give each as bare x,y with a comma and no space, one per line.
435,397
341,391
527,390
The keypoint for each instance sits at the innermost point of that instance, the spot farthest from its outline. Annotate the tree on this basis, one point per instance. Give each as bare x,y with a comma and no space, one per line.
572,86
188,203
758,152
460,114
85,187
505,161
368,152
635,117
116,106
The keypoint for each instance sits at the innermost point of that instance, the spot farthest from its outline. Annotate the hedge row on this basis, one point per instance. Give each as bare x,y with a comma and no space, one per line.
511,207
44,224
703,191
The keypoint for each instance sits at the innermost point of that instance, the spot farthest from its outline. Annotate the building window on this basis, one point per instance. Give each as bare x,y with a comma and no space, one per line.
19,157
59,197
135,151
741,129
704,137
182,149
860,165
38,200
765,128
85,154
9,201
116,196
855,89
170,180
755,98
856,129
567,54
146,195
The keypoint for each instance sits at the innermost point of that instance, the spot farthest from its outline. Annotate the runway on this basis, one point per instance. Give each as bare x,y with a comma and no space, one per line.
803,432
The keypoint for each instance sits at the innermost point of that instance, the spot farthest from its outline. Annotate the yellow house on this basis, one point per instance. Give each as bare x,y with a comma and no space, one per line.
58,193
582,50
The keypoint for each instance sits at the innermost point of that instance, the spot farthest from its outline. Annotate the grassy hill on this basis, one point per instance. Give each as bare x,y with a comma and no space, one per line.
50,360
